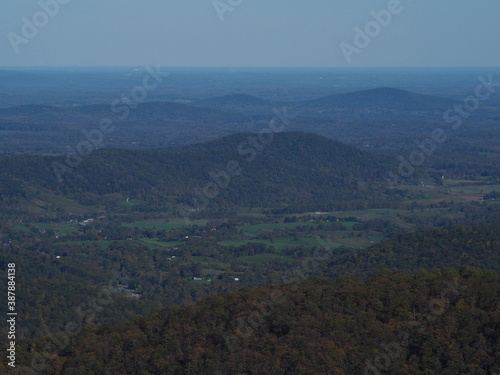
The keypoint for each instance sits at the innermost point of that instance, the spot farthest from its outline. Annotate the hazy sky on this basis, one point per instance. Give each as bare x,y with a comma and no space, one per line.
257,33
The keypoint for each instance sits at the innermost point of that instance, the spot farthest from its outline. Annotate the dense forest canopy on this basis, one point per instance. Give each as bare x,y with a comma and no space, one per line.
444,322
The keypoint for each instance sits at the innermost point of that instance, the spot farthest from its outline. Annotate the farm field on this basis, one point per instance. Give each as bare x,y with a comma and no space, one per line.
161,224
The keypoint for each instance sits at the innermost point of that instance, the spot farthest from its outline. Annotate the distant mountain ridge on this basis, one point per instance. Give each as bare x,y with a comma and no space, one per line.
384,97
44,129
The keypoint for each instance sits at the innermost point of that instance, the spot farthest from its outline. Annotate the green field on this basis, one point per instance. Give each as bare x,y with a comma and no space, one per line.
251,230
255,228
160,224
478,190
22,228
379,213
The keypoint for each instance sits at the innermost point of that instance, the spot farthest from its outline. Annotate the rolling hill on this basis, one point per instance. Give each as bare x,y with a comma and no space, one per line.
294,169
383,98
43,129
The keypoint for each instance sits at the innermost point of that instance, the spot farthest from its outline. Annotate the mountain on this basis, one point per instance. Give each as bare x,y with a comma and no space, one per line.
375,106
380,120
382,98
379,99
293,169
445,322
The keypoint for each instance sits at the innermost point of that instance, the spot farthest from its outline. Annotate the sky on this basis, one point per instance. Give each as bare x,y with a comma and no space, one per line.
250,33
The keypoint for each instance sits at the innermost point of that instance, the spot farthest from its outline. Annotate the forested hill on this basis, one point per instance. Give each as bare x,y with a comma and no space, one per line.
272,170
383,98
445,323
477,246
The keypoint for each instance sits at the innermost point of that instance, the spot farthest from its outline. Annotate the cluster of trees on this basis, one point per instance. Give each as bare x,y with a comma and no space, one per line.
445,322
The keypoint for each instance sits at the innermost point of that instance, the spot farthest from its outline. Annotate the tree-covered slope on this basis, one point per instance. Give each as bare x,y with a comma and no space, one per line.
446,322
383,98
476,246
273,170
